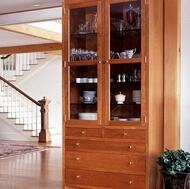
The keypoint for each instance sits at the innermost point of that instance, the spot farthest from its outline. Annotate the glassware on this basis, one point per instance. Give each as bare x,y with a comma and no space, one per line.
94,24
120,25
83,45
138,18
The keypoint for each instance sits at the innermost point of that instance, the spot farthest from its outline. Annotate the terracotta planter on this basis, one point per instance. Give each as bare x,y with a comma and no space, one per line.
177,181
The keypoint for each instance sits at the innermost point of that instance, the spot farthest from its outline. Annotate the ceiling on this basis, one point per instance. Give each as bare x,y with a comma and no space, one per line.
26,11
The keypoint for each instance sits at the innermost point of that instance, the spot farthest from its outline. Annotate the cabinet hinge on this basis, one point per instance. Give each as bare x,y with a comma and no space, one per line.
145,119
64,63
145,59
64,11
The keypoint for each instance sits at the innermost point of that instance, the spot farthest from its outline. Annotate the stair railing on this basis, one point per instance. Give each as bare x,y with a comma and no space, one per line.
14,64
25,110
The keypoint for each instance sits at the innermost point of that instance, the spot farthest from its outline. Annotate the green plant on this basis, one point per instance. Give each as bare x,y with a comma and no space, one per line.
174,161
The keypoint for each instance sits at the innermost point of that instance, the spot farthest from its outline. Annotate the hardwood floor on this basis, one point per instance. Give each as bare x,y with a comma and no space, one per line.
36,170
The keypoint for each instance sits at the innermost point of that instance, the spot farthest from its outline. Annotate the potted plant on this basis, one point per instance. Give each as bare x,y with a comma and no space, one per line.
175,169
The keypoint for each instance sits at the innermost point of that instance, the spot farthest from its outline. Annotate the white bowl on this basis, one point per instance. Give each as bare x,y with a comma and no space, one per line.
136,91
89,99
136,99
87,116
134,119
89,93
136,94
122,119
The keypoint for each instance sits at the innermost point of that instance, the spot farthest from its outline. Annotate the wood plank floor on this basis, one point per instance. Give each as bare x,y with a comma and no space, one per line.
36,170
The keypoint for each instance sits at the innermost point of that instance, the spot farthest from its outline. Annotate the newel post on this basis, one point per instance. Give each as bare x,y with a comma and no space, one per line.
44,135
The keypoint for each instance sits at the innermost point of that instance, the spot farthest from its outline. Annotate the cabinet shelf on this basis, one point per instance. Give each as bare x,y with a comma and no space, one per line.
126,33
83,104
125,83
83,35
129,104
81,84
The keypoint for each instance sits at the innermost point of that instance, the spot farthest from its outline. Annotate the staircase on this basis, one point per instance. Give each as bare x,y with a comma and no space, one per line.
17,108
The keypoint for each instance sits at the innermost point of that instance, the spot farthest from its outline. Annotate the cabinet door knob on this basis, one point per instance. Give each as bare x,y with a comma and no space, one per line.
124,134
83,132
129,147
99,61
106,61
78,176
77,158
130,182
77,144
130,162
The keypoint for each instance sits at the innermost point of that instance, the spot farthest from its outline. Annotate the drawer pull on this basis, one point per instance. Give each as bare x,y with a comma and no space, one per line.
130,162
129,147
77,144
78,176
83,132
130,182
77,158
124,134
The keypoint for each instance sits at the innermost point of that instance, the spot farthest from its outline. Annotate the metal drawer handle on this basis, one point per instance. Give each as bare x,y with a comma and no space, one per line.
130,182
78,176
77,144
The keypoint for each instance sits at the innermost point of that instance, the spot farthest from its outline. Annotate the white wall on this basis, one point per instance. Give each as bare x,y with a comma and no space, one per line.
47,81
185,76
7,132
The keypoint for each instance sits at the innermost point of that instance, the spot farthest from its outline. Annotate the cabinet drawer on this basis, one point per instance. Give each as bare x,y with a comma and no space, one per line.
105,162
83,132
96,179
135,134
105,146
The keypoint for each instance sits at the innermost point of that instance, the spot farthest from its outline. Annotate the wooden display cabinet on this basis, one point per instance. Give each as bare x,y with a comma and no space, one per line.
105,52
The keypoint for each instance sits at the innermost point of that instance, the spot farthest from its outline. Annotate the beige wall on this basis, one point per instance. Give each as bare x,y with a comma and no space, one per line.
185,76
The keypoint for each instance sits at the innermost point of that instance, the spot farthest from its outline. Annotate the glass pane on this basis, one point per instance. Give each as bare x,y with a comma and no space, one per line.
83,92
125,30
83,34
125,92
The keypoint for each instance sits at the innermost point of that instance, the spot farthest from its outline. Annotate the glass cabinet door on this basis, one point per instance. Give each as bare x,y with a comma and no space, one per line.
83,92
125,30
83,62
124,61
125,92
83,34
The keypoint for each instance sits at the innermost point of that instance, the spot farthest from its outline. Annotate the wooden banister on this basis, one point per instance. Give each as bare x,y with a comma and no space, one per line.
20,91
44,135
